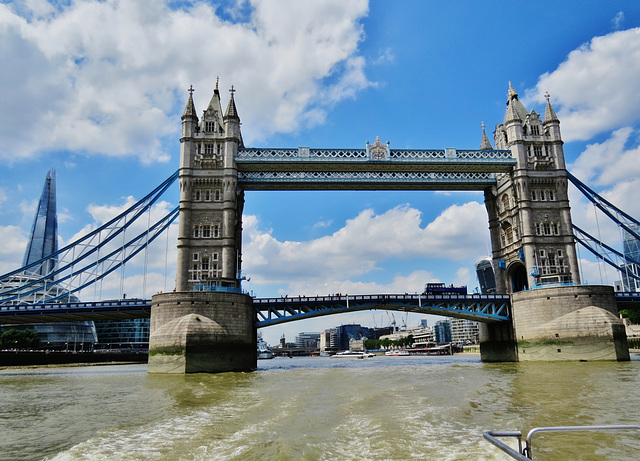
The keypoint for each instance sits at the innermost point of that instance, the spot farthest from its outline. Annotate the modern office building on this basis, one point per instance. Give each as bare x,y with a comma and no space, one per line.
631,248
307,339
338,339
463,330
123,334
486,276
442,331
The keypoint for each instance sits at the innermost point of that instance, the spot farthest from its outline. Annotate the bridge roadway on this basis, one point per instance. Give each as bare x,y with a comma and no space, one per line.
273,311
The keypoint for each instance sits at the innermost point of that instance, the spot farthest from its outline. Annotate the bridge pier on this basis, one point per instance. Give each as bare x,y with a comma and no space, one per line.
202,332
497,343
556,324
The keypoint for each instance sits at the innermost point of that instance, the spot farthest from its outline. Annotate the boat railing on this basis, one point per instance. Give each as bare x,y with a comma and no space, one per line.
525,453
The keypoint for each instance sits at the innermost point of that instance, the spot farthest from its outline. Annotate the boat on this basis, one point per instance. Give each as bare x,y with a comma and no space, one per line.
397,352
353,355
263,350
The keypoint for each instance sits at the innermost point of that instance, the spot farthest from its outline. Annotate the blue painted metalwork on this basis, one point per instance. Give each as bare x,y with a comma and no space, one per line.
596,247
81,263
75,311
628,300
618,216
272,311
305,154
482,308
384,169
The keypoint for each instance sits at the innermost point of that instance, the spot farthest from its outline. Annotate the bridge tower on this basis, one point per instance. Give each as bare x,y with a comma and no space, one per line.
533,247
207,324
529,213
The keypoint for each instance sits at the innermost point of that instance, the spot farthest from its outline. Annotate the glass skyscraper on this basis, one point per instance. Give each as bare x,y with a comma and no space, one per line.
486,276
631,248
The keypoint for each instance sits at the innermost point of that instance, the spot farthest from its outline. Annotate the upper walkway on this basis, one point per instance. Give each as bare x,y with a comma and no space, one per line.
375,168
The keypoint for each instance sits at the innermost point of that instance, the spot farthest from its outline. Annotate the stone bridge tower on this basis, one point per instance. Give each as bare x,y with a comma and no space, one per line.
529,213
207,323
210,233
533,247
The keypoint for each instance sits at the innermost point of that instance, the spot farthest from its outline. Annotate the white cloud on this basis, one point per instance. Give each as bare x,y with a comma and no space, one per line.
596,88
331,263
110,77
617,20
14,243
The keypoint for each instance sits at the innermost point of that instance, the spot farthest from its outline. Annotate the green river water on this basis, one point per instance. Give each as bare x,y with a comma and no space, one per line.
383,408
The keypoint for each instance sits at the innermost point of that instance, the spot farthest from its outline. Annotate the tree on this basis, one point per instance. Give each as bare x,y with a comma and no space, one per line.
632,315
19,339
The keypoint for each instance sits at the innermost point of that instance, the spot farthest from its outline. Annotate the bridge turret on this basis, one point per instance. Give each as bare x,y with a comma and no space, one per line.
529,213
210,203
485,144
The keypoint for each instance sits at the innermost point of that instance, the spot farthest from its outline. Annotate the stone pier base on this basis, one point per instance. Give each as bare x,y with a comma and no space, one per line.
568,323
497,343
202,332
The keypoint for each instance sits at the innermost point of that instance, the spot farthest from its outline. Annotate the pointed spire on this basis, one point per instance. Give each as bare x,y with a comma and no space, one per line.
43,240
515,109
190,109
232,112
549,113
485,144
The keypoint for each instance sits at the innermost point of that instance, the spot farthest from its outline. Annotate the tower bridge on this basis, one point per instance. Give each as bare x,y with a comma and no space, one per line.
207,324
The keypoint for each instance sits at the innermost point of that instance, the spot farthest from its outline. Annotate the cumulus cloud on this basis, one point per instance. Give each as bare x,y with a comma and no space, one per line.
361,246
14,243
110,77
596,88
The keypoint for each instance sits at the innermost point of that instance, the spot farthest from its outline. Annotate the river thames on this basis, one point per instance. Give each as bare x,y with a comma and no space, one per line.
383,408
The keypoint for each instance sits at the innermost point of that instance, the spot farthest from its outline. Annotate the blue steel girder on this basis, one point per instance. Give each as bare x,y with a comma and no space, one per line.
344,169
481,308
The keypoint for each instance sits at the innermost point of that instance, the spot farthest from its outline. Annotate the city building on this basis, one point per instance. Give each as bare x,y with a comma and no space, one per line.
340,338
123,334
463,330
442,331
308,339
631,248
486,276
43,242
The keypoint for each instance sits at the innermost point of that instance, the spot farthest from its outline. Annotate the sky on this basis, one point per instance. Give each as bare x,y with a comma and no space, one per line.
95,90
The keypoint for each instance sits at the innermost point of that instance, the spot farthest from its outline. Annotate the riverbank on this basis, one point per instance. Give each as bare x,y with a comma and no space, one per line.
43,358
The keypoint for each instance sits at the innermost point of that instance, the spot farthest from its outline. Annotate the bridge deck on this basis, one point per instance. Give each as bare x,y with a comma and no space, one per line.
482,308
342,169
273,311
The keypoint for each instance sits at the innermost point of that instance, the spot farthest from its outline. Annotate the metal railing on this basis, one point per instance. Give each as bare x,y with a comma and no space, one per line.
525,453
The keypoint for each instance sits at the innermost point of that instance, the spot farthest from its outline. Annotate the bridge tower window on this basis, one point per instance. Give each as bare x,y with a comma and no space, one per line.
209,126
216,231
206,231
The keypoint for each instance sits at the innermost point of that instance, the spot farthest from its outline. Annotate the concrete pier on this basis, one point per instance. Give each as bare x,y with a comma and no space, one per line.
561,323
202,332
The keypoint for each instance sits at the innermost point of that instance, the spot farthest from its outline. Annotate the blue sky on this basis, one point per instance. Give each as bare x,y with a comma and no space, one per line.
96,90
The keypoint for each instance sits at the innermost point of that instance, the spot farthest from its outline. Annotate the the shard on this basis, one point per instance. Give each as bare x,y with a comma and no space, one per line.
44,232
